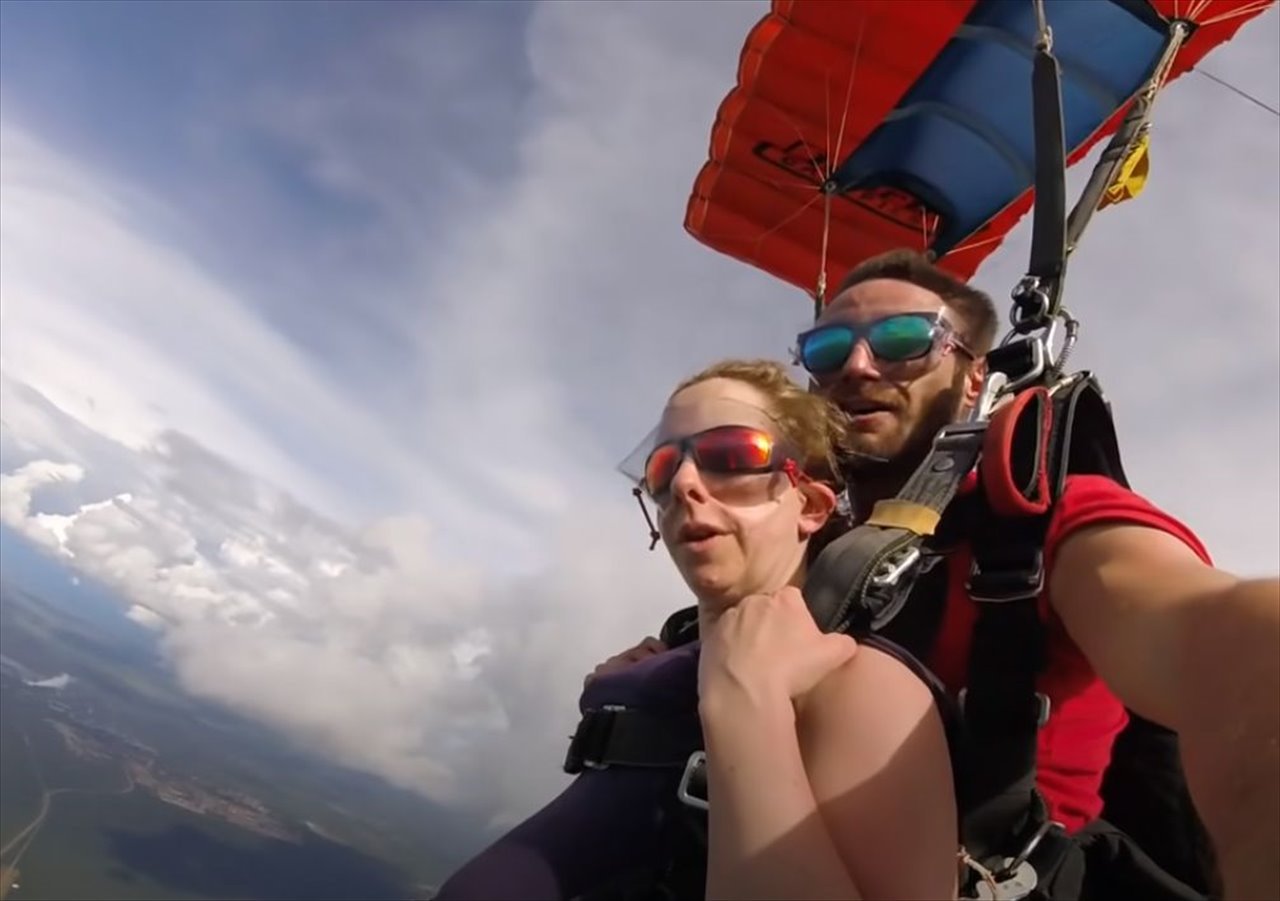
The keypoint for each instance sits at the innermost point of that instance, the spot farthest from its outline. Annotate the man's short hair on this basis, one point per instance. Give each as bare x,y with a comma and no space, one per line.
974,308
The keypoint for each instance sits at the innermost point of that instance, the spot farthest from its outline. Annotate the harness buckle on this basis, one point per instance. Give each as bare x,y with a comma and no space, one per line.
1016,877
1020,583
889,570
1043,708
1018,884
590,739
694,778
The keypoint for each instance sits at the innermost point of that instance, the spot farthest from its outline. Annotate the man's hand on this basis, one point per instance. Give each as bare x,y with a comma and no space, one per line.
646,648
767,647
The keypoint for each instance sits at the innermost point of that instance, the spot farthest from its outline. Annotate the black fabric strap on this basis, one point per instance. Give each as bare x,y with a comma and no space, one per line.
1002,709
1049,224
620,736
860,580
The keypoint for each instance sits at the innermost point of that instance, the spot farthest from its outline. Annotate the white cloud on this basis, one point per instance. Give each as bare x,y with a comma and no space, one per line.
364,645
434,627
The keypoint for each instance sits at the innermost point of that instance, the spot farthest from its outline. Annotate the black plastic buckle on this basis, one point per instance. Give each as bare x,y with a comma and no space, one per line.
1007,583
589,740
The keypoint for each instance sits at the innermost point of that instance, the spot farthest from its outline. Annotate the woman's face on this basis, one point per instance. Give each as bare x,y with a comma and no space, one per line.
734,535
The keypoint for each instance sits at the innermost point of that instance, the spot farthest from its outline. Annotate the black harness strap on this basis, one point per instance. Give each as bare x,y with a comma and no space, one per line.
1003,711
1006,826
622,736
861,580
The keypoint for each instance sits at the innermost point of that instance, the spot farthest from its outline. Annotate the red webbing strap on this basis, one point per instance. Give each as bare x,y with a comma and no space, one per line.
1015,455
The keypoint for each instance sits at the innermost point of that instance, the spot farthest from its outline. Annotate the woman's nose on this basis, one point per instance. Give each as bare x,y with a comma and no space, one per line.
687,484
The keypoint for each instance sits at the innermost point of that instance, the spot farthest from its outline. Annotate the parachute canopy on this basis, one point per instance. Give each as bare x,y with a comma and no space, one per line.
860,126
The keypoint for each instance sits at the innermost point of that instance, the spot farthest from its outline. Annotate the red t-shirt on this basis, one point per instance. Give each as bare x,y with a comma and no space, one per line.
1085,717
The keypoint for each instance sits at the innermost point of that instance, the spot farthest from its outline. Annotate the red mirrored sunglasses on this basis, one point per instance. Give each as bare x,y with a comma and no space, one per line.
721,451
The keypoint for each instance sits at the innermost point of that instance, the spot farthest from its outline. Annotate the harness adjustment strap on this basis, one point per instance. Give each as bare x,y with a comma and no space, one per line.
613,735
861,580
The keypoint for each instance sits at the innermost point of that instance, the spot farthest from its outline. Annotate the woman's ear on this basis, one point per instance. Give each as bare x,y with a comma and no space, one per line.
819,504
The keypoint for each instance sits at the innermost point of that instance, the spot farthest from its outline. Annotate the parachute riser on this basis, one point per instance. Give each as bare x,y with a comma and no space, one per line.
1136,123
1025,358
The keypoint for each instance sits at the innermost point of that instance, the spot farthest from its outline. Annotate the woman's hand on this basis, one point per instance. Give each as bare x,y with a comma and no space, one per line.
767,648
646,648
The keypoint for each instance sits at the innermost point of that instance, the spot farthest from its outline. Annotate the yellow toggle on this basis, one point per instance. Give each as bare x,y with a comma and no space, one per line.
1132,177
898,514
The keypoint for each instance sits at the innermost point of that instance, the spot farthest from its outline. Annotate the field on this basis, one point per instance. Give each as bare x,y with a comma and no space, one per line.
147,793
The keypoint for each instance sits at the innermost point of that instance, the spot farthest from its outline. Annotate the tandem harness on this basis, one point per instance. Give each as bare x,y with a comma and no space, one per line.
871,582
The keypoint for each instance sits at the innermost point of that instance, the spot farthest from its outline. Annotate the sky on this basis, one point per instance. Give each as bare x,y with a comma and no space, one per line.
323,327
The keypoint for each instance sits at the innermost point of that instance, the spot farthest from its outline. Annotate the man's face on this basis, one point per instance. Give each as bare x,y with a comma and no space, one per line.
896,408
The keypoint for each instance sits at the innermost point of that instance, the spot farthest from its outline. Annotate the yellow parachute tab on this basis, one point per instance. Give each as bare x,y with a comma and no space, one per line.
1132,177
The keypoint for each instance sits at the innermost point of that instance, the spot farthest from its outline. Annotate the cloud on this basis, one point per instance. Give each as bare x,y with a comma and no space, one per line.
364,645
358,476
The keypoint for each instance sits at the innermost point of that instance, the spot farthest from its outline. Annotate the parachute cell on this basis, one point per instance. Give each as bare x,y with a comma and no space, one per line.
864,125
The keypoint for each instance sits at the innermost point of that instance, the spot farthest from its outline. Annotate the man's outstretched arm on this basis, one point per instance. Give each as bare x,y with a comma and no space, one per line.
1197,650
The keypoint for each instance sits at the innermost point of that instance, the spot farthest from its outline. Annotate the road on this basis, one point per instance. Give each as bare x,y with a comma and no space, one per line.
22,840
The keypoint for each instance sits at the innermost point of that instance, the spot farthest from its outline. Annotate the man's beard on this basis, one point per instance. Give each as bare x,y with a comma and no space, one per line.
866,462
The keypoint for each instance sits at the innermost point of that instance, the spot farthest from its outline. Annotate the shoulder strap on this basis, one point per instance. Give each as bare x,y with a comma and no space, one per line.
861,579
1006,822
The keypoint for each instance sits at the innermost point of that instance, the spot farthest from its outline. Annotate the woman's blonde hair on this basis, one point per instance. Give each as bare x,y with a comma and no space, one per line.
812,424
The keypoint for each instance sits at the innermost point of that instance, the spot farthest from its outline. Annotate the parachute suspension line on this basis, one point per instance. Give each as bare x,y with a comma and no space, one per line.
848,95
820,294
1247,96
830,187
1246,10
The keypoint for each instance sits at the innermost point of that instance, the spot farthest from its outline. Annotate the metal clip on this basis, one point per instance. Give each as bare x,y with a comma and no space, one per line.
1014,864
992,387
695,767
889,570
1020,883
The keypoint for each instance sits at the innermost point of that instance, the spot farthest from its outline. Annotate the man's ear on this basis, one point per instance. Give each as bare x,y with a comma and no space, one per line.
819,504
973,380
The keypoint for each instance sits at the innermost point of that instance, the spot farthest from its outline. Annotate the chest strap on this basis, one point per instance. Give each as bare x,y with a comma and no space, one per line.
860,581
613,735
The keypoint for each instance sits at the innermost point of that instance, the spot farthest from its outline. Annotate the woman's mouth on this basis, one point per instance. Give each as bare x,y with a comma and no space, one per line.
697,535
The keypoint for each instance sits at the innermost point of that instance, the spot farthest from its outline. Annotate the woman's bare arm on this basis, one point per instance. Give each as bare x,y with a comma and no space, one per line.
766,839
877,757
858,804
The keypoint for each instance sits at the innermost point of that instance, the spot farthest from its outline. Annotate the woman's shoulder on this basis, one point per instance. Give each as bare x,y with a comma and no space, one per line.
882,680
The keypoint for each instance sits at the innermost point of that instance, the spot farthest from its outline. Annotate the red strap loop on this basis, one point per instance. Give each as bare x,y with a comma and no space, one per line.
1015,455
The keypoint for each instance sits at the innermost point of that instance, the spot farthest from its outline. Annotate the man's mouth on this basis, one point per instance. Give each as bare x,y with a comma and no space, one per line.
865,407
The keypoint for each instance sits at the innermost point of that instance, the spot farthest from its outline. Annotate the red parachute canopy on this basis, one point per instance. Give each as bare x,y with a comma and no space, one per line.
917,116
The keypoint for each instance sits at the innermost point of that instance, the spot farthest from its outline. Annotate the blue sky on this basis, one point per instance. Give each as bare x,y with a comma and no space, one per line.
324,326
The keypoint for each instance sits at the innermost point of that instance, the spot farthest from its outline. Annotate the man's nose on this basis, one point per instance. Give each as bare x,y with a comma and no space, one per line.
861,363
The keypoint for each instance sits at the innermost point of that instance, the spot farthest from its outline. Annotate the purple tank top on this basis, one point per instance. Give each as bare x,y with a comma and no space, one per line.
606,822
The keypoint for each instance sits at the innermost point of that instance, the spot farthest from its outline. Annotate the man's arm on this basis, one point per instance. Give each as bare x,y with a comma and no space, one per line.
1197,650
